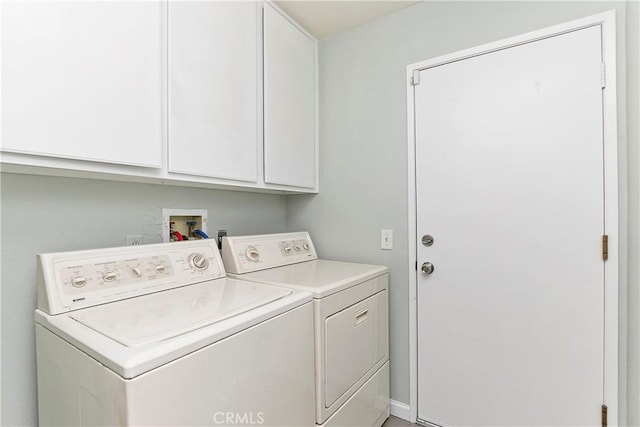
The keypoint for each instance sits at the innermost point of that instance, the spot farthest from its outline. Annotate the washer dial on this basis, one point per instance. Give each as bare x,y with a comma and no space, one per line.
79,281
253,254
135,272
199,261
109,276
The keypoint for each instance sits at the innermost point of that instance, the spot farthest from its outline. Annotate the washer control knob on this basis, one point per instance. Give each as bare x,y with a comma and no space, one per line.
79,281
160,268
297,248
287,249
135,272
109,276
199,261
252,254
305,245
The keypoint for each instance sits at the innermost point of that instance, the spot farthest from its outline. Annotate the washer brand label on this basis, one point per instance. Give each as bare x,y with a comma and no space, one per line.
238,418
78,299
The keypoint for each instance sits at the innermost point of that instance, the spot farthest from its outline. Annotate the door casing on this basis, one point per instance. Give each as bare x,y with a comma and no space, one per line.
607,21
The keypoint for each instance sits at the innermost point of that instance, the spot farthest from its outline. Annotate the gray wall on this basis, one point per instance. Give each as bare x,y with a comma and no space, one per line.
56,214
363,169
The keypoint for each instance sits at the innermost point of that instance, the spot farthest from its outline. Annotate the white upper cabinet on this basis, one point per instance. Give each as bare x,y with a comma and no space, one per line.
213,89
290,146
83,80
198,93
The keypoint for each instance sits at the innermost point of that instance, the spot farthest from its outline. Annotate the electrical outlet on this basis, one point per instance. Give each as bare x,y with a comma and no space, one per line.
386,239
185,222
134,239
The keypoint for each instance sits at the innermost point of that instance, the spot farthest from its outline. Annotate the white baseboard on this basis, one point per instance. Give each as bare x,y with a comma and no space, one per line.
400,410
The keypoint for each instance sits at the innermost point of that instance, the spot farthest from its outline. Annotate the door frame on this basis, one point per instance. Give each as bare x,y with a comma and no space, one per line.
607,21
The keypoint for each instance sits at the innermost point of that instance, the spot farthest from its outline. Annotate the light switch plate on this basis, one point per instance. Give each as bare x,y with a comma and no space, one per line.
386,239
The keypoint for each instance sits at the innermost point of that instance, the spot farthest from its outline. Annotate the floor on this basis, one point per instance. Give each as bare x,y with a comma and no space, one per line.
397,422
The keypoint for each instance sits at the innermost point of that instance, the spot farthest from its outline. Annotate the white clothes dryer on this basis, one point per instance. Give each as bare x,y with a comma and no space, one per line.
157,335
350,320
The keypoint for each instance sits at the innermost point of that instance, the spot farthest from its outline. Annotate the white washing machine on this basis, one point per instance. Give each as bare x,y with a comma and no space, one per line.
350,317
157,335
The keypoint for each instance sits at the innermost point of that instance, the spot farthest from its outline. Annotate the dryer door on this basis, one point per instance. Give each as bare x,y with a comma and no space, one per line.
356,342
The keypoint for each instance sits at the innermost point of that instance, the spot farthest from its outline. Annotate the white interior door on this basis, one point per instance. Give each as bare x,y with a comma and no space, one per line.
509,171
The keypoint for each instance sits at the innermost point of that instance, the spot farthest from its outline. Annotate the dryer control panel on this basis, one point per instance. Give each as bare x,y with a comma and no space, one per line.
72,280
244,254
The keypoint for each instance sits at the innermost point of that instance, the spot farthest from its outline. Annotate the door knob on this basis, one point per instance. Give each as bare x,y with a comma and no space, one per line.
427,268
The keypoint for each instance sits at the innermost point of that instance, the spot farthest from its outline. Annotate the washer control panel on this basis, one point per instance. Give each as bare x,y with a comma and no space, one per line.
244,254
72,280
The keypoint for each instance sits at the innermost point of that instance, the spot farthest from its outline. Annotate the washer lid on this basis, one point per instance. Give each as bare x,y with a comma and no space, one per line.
163,315
320,277
188,319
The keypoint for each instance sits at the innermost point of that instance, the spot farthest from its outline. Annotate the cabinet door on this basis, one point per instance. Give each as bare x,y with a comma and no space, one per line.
289,103
213,74
83,80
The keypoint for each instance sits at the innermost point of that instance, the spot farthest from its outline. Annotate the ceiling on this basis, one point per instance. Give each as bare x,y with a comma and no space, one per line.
324,18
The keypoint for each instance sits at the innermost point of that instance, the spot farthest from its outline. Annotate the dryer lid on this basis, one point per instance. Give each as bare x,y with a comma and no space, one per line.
320,277
164,315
